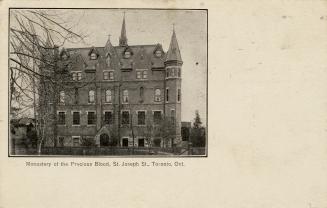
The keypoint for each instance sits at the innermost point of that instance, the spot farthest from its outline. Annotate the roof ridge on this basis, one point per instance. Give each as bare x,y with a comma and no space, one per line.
98,47
84,48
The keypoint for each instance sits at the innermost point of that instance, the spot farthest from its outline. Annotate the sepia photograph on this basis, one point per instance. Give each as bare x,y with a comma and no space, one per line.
165,104
108,82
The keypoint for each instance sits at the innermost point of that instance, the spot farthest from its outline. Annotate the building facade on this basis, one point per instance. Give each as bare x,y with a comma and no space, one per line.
124,95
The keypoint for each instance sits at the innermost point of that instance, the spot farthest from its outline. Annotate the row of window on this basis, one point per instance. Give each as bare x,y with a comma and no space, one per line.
140,74
109,75
127,54
109,119
108,95
125,141
173,72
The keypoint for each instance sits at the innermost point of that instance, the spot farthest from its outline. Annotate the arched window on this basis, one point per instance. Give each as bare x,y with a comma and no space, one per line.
91,96
125,96
93,56
158,53
108,96
62,97
108,60
64,56
157,95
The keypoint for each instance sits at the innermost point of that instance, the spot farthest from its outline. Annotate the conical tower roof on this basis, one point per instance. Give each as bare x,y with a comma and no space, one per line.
173,53
123,36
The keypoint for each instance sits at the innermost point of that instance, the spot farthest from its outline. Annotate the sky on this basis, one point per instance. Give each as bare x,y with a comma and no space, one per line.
152,27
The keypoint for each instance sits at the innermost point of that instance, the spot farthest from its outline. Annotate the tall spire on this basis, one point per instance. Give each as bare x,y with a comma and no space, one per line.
123,37
173,53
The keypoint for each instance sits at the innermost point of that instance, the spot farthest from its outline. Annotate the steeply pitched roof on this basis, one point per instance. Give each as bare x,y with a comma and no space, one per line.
173,53
123,36
143,56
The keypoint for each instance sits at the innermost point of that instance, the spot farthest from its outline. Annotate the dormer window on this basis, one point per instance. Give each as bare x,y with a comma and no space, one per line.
158,53
93,56
64,56
127,54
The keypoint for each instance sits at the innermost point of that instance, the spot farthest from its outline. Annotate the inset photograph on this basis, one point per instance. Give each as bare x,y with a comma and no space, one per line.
108,82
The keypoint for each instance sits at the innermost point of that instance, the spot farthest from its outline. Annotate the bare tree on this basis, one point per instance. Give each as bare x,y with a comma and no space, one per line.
36,73
165,130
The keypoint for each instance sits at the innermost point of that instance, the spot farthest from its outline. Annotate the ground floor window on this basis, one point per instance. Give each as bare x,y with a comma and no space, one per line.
61,140
156,142
76,141
141,142
104,140
125,142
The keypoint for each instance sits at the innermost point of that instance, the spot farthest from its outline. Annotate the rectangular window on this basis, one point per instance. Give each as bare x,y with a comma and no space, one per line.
108,96
62,97
76,95
91,118
61,118
172,72
74,76
156,117
75,141
125,117
105,75
157,95
167,95
141,117
111,75
61,141
179,95
108,118
76,118
179,72
91,96
138,75
79,75
125,96
145,74
141,142
172,115
141,74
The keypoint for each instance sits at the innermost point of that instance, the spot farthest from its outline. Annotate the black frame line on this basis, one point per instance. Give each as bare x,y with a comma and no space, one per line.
114,156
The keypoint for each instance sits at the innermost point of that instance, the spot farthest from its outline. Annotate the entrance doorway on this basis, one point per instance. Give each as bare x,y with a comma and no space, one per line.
141,143
104,140
125,142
